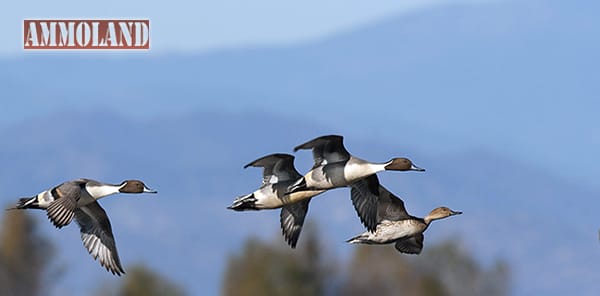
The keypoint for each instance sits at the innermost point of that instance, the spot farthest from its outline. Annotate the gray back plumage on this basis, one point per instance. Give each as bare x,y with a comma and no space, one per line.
279,165
326,149
66,195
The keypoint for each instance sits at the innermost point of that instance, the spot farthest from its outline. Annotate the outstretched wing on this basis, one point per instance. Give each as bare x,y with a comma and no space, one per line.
410,245
390,207
276,168
326,149
365,196
97,236
66,196
374,203
292,218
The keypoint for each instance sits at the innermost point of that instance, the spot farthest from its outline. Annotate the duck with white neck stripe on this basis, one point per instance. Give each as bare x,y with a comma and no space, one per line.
78,199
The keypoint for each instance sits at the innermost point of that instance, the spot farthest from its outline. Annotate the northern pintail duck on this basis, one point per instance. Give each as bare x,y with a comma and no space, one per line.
334,167
77,199
278,173
395,225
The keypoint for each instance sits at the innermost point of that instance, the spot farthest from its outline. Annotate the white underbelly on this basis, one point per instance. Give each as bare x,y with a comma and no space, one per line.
388,231
316,179
267,199
44,199
301,195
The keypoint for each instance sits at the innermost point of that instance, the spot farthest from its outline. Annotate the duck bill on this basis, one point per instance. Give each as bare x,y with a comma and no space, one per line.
456,212
416,168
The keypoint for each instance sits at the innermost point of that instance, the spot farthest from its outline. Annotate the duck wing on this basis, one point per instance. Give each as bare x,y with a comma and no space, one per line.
410,245
97,236
292,218
390,207
326,149
276,168
365,195
66,196
374,203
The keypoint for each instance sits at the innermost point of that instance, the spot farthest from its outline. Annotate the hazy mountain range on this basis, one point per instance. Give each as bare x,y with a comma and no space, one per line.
496,101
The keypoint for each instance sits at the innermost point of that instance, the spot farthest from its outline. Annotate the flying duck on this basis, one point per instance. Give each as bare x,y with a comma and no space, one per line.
395,225
278,173
77,199
335,167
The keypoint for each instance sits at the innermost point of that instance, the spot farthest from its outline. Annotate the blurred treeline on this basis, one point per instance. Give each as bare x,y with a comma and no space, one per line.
270,268
27,265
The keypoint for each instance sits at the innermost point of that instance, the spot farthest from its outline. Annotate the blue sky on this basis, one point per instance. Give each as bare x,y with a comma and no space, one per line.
192,26
524,122
531,127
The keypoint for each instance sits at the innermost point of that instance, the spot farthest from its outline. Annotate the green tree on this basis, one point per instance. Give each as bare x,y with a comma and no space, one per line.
274,269
25,255
443,269
461,273
142,281
381,270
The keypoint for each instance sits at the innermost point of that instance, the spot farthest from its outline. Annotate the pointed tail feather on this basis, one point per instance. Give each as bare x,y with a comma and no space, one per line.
359,239
299,185
244,203
26,203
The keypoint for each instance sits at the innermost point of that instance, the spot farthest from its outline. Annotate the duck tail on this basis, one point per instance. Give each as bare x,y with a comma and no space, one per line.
299,185
359,239
26,203
244,203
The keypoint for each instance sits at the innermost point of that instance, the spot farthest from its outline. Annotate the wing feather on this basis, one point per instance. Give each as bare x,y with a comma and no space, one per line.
66,196
390,206
365,194
97,237
278,165
292,218
326,149
410,245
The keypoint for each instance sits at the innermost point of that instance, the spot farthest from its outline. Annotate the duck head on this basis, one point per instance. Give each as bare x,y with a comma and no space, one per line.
402,164
135,186
440,213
